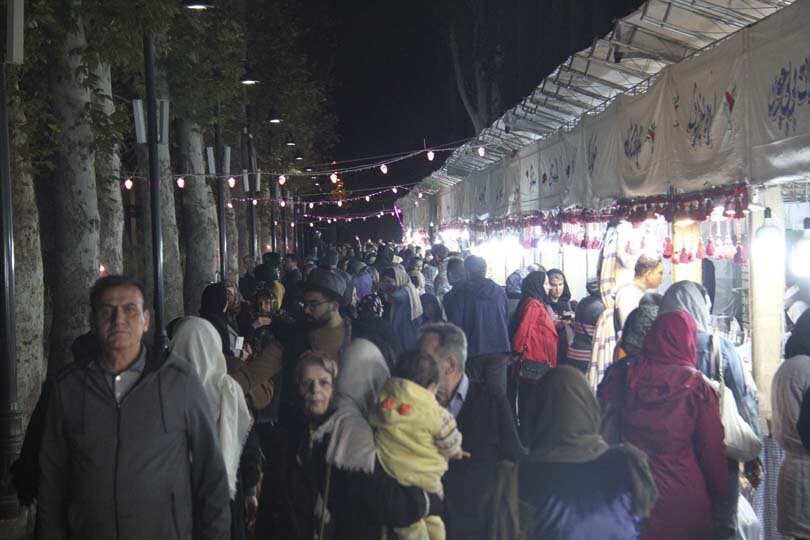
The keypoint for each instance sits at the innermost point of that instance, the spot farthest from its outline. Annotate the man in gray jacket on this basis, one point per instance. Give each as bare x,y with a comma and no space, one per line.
129,449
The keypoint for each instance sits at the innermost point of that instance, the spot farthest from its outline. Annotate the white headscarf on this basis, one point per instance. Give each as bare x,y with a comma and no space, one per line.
404,281
687,296
197,341
363,373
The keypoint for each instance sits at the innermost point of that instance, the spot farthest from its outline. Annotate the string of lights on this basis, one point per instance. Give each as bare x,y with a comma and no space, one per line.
312,171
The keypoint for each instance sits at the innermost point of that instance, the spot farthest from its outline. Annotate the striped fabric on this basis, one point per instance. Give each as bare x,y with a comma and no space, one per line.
765,497
579,354
604,339
448,439
585,329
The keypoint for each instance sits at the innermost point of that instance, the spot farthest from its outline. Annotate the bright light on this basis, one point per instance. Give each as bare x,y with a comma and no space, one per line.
181,183
292,225
311,206
311,225
283,204
197,6
290,141
394,190
267,247
420,195
430,155
482,151
684,222
282,180
128,183
229,205
800,254
329,221
255,202
384,168
416,203
101,269
299,157
340,203
334,178
231,182
769,240
368,198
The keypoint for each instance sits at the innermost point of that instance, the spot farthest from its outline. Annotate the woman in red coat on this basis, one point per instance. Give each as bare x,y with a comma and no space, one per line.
672,413
534,338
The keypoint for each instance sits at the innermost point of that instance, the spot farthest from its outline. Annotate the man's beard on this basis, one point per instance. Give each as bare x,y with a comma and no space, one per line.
315,324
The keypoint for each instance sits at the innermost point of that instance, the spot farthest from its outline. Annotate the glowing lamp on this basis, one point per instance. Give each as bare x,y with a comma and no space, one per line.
128,183
800,254
255,202
311,225
430,155
197,6
299,157
368,198
282,180
416,203
384,168
311,206
769,240
292,225
267,247
248,77
482,151
340,203
101,269
394,190
333,177
181,183
283,204
229,205
231,182
420,195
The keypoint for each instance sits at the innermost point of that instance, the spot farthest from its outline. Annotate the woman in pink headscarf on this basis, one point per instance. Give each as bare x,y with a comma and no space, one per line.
671,412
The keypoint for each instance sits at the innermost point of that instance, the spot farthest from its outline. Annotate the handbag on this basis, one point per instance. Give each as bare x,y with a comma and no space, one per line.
742,444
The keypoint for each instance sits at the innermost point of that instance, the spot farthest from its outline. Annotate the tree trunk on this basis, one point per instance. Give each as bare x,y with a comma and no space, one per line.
172,266
108,186
76,200
30,301
200,232
461,82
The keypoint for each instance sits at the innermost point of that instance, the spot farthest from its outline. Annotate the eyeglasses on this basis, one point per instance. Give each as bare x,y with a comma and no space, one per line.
311,305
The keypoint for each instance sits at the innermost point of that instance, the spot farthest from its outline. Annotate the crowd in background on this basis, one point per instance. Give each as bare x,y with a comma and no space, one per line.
370,389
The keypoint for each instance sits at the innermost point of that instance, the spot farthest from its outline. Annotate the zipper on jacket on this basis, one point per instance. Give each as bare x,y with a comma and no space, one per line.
115,475
174,519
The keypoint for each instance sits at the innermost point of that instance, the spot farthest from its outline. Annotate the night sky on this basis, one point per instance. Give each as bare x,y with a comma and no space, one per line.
395,86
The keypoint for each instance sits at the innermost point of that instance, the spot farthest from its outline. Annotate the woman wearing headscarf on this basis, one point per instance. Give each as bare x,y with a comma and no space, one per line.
579,486
430,272
431,309
361,278
403,307
693,299
671,412
563,309
534,338
585,318
790,385
197,341
213,308
418,281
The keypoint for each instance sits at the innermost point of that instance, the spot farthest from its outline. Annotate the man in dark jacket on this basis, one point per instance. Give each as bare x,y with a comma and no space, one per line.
477,488
129,448
480,309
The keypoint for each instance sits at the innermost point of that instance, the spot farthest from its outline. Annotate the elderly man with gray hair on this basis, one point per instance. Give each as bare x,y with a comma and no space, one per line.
484,418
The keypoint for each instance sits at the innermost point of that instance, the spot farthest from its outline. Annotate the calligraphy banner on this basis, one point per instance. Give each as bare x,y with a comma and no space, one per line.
709,140
779,74
497,195
556,165
529,178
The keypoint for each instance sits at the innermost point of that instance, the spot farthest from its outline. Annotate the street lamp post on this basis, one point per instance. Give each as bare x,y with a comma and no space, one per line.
161,339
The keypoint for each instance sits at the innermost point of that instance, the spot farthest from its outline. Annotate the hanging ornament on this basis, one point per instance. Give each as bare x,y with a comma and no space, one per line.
701,250
384,168
128,184
368,199
668,248
684,256
430,155
181,182
394,190
231,182
282,180
340,203
334,178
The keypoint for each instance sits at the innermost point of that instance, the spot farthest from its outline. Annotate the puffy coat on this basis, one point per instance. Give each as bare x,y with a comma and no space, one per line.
536,336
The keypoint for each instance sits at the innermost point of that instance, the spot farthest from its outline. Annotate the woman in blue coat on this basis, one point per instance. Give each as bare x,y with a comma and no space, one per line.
578,485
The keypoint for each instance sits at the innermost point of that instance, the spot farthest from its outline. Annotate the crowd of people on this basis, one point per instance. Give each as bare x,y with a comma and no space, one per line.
370,392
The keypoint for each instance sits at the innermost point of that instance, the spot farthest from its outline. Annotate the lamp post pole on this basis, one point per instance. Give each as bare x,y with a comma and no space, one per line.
11,429
161,339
